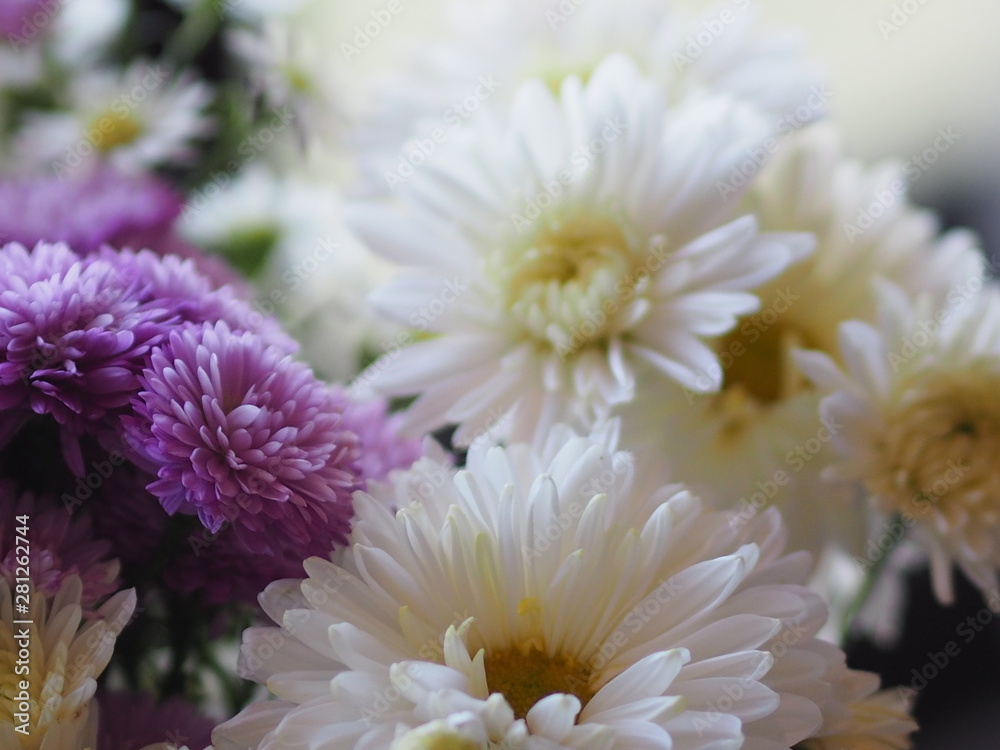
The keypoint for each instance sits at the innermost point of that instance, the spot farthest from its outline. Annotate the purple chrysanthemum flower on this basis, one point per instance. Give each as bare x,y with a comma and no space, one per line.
73,337
103,206
222,569
239,431
178,285
130,721
59,544
16,20
382,448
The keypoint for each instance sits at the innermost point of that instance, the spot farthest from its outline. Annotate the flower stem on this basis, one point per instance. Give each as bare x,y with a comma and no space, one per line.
867,585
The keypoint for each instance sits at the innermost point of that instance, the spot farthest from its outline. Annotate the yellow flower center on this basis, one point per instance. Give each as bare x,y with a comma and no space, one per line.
436,736
112,129
298,79
940,447
524,678
568,283
554,75
758,371
757,361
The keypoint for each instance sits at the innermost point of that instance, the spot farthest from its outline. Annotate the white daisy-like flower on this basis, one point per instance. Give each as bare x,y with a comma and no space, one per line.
84,29
553,255
915,396
136,118
760,439
495,45
295,70
49,668
539,600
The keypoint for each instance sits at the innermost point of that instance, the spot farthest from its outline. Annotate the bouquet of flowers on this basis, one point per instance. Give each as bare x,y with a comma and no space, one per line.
561,384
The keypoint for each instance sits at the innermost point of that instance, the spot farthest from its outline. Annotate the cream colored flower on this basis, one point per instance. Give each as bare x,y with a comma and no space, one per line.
857,716
921,425
539,600
49,666
556,252
760,441
493,46
143,116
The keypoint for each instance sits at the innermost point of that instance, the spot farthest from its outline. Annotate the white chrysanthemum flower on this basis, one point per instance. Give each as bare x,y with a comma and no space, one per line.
760,439
856,715
311,272
136,118
554,256
49,668
920,428
539,601
495,45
